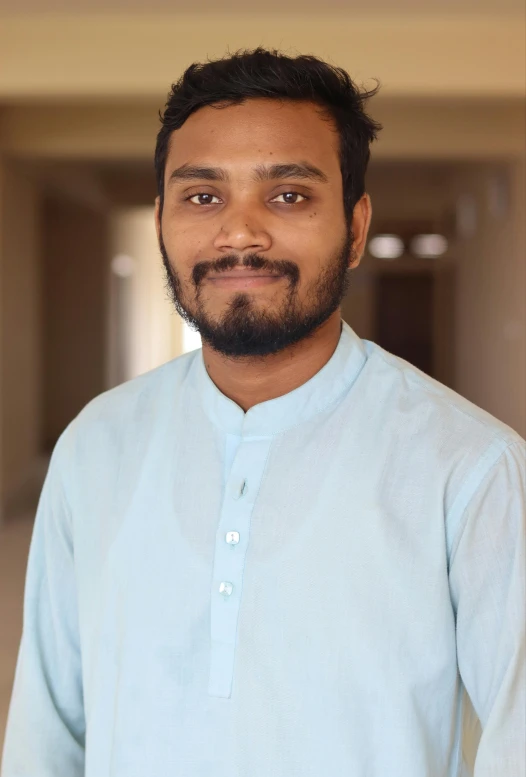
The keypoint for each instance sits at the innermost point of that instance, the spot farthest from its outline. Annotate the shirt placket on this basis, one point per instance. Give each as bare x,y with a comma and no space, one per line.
231,545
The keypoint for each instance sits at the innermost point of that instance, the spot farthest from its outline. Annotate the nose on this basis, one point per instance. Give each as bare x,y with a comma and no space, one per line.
242,229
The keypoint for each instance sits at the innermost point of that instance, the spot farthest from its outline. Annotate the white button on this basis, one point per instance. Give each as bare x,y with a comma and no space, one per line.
232,537
225,588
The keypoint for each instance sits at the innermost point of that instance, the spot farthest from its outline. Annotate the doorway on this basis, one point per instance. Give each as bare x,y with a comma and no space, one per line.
404,316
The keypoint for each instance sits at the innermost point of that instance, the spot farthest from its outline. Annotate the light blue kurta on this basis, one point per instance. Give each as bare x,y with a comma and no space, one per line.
302,590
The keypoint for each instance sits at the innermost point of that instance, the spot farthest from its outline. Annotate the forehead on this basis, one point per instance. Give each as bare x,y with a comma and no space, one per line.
257,130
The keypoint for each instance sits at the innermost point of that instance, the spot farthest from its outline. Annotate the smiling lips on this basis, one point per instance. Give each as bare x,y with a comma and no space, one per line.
243,279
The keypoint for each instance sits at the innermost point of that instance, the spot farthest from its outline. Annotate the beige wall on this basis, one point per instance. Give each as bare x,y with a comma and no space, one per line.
20,353
72,55
75,265
444,325
123,130
491,299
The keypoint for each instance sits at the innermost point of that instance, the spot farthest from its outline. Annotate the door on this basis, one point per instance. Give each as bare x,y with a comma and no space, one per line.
404,316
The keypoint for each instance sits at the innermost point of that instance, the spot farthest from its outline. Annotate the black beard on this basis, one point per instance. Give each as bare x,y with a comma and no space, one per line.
246,330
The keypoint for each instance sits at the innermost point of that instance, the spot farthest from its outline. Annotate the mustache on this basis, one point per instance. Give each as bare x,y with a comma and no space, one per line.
252,261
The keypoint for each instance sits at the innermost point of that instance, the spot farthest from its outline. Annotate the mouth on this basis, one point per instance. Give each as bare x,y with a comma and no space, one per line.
243,279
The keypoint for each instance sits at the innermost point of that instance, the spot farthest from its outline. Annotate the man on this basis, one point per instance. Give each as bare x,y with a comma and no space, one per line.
290,553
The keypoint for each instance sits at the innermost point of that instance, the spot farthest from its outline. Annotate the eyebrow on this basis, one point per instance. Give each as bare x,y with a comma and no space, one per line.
290,170
261,173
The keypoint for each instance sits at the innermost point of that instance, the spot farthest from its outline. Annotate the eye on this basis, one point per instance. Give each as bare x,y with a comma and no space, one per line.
203,198
290,198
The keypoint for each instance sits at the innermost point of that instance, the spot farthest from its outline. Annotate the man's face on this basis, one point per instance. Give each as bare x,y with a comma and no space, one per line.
255,188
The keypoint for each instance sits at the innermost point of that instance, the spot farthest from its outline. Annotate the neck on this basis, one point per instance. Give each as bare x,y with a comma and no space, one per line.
248,381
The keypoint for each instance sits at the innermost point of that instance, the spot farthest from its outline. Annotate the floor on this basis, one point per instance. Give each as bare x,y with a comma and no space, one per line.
15,536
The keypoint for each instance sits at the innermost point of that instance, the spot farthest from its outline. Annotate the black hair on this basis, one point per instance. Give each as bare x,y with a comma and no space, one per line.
271,74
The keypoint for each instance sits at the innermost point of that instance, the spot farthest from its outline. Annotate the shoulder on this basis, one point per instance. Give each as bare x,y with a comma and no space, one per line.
439,409
131,409
447,442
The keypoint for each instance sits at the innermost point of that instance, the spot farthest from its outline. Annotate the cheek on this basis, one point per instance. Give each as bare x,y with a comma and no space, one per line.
184,244
307,243
313,226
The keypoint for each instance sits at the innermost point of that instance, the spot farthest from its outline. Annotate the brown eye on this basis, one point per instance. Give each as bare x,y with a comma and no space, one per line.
289,198
203,198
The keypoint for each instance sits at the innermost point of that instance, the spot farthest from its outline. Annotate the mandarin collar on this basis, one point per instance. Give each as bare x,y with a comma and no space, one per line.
281,413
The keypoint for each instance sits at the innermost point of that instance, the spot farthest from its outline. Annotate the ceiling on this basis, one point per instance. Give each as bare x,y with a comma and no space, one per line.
273,6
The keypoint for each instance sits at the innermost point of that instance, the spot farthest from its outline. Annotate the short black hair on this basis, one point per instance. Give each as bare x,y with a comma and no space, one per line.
268,73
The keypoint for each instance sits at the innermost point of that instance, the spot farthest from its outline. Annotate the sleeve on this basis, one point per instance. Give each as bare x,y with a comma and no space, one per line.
487,580
45,727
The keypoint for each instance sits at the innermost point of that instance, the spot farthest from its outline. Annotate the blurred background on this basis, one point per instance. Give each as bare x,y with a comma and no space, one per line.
82,300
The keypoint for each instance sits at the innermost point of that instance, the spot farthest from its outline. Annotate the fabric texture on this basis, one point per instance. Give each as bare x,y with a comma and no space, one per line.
314,588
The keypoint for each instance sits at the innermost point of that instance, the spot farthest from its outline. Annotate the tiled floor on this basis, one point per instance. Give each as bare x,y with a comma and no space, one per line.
15,536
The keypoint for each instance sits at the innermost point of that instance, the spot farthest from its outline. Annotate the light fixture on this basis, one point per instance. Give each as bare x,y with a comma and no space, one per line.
386,246
123,265
428,246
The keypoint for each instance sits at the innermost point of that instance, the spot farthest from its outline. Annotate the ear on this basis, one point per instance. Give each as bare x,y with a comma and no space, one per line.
361,222
157,217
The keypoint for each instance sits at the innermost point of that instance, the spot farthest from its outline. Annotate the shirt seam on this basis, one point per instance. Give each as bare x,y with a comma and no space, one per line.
494,453
63,475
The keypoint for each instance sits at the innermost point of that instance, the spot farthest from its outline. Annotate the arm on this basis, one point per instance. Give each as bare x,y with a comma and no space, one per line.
487,580
45,728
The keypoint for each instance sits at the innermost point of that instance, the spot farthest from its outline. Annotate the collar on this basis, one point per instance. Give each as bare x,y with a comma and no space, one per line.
277,415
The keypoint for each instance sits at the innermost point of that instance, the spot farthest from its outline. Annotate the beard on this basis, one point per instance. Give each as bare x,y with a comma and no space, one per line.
246,328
